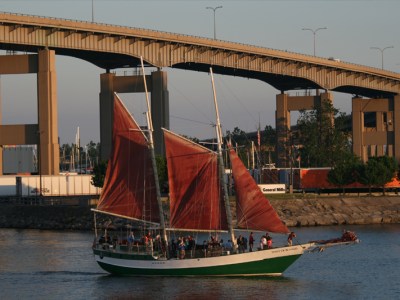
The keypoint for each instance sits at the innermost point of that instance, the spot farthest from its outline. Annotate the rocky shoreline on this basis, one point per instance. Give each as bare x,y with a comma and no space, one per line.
321,211
295,212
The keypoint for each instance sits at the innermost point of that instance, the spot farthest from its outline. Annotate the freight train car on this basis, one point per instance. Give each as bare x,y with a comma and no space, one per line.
47,185
316,180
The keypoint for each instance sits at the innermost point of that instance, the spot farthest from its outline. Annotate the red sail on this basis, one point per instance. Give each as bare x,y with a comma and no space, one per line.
194,185
129,187
253,210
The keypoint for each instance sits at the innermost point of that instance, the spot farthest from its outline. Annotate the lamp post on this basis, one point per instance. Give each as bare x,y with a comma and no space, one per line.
314,33
381,49
39,155
92,11
214,9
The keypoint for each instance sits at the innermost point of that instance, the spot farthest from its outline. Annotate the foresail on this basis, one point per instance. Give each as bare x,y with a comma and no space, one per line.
194,185
129,186
253,210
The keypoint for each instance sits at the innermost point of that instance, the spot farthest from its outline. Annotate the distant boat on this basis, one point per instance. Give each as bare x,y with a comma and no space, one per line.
198,203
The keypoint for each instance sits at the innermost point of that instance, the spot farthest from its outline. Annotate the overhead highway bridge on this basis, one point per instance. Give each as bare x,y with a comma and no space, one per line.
110,47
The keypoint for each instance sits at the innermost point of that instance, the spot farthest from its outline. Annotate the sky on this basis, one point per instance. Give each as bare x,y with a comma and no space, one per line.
353,27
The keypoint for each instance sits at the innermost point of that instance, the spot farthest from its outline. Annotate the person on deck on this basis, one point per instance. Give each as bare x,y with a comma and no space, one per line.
263,242
251,242
131,239
228,245
240,243
269,242
181,248
290,238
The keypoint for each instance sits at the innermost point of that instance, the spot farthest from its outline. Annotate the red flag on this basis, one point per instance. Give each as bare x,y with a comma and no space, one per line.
258,137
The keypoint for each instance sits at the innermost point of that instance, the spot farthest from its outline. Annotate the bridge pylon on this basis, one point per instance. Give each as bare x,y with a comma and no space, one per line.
378,137
45,132
157,86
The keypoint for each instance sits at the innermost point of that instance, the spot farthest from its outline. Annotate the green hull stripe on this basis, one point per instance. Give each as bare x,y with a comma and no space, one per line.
272,266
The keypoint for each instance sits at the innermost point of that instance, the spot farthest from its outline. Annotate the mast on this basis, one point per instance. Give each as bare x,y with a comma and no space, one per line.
222,168
153,158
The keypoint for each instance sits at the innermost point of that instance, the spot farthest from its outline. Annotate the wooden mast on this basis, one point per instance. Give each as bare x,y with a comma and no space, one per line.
222,167
153,158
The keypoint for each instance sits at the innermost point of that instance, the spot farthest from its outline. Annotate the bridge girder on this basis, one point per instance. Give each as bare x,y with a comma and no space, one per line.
110,47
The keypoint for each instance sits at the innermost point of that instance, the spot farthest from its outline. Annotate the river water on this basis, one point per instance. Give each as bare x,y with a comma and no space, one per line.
38,264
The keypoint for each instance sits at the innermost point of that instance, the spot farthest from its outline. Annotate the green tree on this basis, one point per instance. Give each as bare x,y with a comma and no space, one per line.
345,171
268,137
99,173
321,136
377,172
93,152
268,143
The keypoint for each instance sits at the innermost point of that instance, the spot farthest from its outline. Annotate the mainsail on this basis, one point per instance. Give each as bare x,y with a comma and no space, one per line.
195,190
253,210
129,186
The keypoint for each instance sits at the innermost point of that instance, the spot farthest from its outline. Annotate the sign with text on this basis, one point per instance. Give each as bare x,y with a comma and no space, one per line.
272,188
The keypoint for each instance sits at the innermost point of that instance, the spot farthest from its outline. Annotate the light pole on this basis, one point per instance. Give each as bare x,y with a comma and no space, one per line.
214,9
39,155
381,49
92,11
314,33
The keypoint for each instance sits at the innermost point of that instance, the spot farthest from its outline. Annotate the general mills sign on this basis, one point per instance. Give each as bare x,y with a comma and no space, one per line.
272,188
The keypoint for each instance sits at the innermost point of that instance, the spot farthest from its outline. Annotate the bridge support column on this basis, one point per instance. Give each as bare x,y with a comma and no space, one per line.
156,85
45,133
384,137
282,123
1,146
284,105
106,113
396,127
358,128
49,149
159,108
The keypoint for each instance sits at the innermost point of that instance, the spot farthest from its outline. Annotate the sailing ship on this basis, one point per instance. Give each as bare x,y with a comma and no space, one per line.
199,203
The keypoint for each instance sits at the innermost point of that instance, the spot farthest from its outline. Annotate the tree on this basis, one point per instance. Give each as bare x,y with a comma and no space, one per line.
99,173
162,171
269,136
93,151
377,172
345,171
320,132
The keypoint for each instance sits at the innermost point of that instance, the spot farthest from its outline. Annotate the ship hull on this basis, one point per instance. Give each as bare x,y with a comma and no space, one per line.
272,262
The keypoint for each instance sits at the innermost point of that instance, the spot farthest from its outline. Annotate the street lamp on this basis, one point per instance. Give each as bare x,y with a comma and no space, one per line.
380,49
92,11
314,32
214,9
39,158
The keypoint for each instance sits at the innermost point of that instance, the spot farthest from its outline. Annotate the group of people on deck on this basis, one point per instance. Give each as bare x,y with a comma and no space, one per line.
178,248
265,242
181,245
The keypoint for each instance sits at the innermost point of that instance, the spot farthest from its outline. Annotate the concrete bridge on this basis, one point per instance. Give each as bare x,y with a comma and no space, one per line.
110,47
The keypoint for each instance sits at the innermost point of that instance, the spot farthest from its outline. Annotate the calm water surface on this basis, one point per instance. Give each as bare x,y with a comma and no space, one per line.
38,264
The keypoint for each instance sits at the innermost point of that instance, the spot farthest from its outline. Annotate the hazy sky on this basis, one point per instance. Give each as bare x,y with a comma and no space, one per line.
353,27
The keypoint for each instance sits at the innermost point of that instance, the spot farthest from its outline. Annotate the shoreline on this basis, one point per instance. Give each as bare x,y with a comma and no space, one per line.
352,210
298,211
